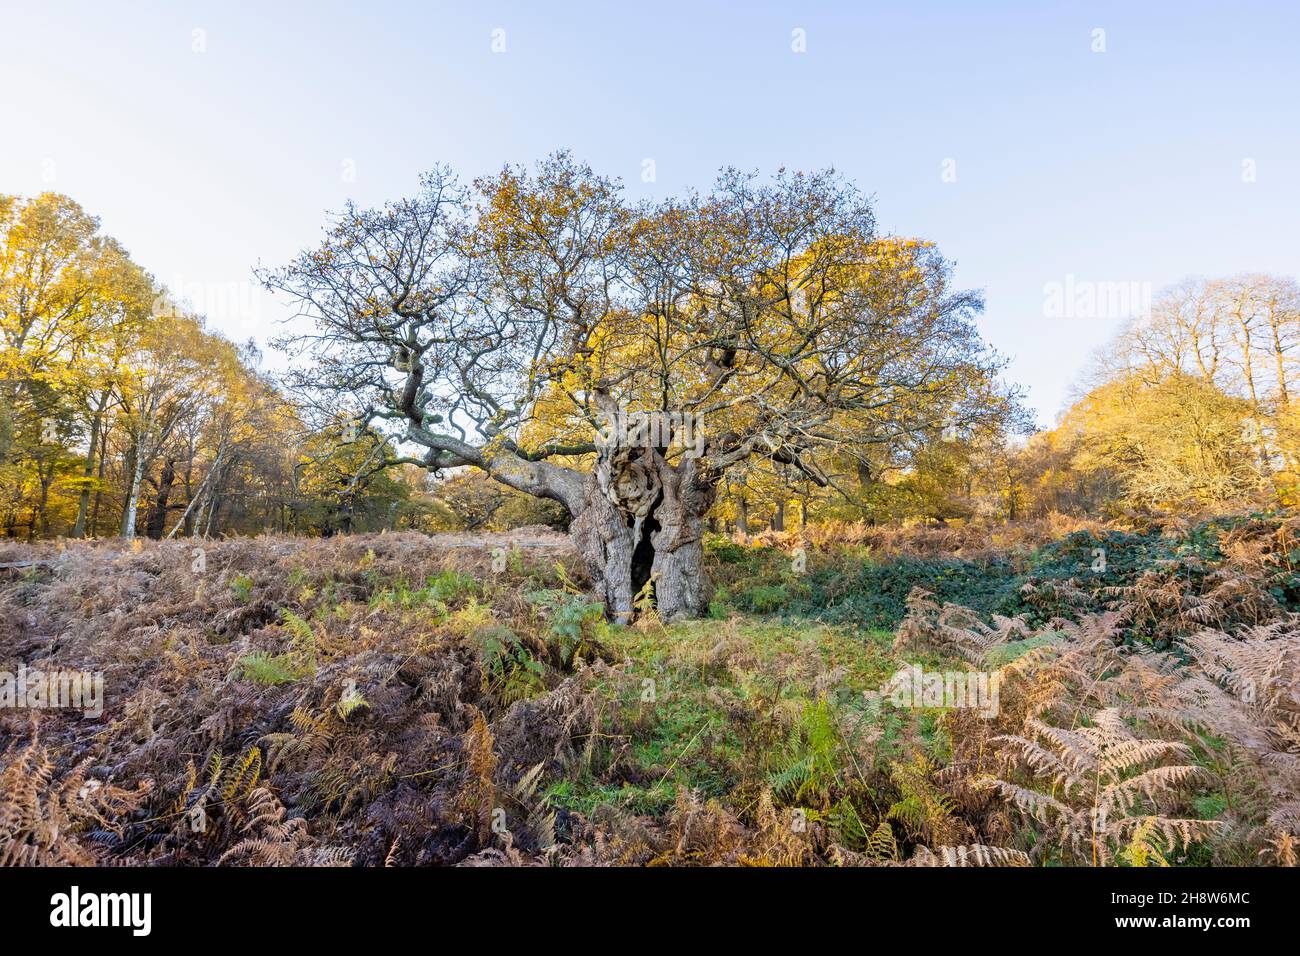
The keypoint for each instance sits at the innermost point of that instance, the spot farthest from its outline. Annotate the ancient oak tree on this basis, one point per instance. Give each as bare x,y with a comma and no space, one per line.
620,358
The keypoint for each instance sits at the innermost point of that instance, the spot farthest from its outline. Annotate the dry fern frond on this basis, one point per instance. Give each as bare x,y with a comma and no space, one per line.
1098,775
41,818
971,855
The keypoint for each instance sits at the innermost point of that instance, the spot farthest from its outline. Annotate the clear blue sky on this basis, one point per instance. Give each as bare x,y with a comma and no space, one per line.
1122,166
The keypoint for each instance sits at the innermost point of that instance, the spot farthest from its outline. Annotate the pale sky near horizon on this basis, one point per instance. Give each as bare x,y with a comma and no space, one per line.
211,137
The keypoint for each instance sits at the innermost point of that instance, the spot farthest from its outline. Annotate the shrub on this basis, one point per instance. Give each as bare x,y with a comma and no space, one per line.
241,586
262,667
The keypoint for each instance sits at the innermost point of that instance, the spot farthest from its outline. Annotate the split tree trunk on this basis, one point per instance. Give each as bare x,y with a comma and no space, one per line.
641,519
637,519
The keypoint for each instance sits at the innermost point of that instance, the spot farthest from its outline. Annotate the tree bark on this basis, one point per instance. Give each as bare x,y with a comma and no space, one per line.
99,483
156,523
83,506
42,508
187,517
133,491
603,539
642,520
682,588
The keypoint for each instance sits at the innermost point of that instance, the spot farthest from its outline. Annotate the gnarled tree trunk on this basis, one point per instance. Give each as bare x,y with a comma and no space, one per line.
603,540
642,520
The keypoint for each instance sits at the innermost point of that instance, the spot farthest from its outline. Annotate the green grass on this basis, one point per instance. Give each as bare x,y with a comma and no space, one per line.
241,586
451,585
1007,653
691,735
272,670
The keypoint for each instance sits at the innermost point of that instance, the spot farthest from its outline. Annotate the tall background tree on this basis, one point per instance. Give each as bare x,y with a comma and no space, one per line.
1189,409
518,326
122,413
